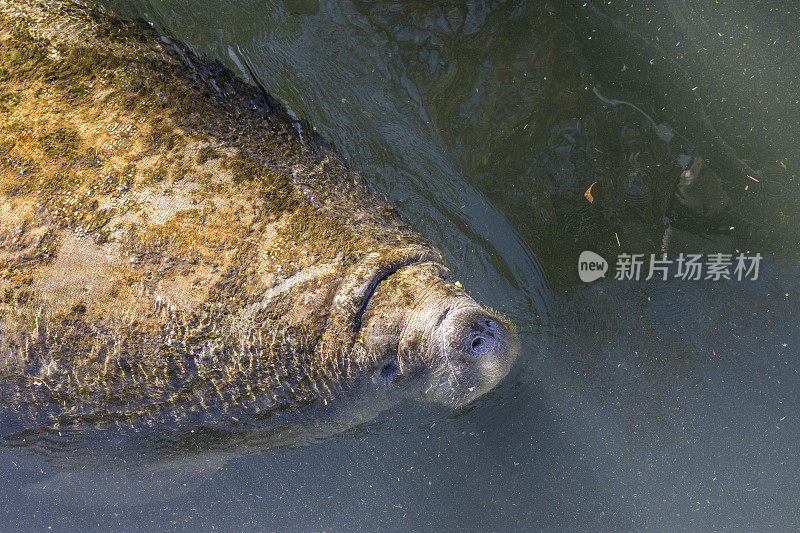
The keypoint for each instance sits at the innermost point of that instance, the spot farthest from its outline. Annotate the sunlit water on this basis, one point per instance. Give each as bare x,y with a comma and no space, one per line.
634,404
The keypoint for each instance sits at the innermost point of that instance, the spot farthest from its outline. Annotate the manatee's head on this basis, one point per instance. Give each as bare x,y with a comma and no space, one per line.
426,339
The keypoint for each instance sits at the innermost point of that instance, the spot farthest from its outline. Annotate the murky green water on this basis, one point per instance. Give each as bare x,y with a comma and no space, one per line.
635,404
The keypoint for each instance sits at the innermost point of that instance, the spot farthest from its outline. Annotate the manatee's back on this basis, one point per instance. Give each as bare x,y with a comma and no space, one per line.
170,240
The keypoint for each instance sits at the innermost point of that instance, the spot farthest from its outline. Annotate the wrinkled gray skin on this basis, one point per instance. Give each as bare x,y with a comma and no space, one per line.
175,248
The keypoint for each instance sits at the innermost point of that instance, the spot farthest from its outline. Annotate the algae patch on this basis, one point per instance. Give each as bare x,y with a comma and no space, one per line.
63,142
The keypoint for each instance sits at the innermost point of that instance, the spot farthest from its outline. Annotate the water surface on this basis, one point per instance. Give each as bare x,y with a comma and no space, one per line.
634,404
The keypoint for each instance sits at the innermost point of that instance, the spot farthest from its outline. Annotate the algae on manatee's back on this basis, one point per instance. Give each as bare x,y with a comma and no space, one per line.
175,247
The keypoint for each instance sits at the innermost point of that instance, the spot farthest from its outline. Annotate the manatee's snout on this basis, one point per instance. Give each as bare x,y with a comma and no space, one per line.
431,341
478,349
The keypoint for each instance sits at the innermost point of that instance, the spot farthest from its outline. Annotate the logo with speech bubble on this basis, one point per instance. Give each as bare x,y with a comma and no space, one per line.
591,266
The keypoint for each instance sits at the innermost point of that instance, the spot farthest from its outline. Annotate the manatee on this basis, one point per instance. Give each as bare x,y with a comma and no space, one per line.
176,248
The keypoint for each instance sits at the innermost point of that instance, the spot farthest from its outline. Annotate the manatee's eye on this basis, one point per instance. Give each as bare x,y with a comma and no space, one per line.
389,373
390,369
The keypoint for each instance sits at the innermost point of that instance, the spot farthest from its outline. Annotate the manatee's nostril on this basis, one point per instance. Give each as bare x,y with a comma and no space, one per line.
479,341
482,336
476,335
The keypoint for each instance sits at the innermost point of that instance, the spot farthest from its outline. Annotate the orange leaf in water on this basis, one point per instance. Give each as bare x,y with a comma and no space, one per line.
588,193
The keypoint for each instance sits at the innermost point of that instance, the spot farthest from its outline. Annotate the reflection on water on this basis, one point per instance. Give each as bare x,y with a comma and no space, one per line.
647,404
